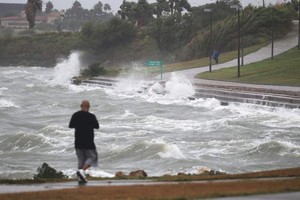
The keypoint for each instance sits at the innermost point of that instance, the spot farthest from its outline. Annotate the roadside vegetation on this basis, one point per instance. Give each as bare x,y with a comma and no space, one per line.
202,62
31,49
284,69
171,31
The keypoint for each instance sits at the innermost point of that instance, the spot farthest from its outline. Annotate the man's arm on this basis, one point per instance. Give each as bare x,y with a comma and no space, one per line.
96,123
72,122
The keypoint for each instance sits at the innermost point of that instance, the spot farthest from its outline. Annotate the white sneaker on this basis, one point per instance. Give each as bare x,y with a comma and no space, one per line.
81,175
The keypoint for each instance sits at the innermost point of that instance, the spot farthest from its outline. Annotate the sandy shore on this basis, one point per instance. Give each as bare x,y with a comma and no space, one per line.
194,187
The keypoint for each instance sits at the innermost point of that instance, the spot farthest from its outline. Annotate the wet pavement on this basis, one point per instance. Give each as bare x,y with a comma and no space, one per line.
68,185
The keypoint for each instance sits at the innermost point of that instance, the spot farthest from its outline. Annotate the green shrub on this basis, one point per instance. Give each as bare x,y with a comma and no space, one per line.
93,70
47,172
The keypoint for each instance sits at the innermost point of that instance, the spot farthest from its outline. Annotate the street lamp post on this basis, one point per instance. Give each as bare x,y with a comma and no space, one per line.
211,46
242,41
238,8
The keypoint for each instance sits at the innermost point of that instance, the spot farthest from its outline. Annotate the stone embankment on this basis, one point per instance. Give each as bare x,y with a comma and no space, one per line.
226,94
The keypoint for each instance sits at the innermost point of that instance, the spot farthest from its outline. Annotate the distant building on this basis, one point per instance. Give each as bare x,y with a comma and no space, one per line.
53,16
11,9
20,21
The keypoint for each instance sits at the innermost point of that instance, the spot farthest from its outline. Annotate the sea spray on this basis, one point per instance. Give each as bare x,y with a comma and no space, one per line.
131,80
179,86
176,88
65,70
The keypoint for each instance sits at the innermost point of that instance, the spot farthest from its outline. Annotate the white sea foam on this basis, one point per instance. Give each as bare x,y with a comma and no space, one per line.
176,90
94,172
164,124
7,104
30,85
19,71
130,86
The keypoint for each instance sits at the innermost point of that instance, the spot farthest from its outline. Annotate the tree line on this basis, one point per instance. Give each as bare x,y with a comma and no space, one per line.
171,30
183,30
75,17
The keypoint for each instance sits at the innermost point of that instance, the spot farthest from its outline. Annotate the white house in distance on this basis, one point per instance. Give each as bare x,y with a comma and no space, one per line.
19,22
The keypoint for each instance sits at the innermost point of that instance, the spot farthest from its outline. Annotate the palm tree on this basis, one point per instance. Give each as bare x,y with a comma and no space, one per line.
31,7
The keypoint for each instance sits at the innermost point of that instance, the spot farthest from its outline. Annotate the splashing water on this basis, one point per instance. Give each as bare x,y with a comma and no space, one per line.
179,86
68,68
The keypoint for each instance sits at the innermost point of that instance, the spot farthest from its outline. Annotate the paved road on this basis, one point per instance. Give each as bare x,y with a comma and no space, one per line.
280,46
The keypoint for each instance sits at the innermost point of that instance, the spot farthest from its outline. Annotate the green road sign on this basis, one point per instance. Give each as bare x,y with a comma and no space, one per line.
155,64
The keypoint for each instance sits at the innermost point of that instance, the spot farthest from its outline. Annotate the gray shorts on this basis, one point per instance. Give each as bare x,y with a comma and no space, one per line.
87,156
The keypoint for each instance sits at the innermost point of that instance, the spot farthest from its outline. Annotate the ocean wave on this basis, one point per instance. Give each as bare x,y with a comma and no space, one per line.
144,150
168,150
49,140
281,148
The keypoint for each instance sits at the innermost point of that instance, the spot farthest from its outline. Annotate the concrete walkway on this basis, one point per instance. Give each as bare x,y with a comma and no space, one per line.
4,189
280,46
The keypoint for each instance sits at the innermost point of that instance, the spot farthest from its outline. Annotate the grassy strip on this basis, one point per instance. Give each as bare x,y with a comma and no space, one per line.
284,69
224,57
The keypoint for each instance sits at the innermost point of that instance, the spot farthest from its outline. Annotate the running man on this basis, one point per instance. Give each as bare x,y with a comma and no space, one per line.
84,123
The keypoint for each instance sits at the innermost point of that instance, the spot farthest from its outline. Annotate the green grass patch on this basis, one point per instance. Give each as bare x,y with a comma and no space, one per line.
284,69
202,62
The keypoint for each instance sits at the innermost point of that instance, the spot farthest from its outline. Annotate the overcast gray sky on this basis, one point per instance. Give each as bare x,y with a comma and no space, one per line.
115,4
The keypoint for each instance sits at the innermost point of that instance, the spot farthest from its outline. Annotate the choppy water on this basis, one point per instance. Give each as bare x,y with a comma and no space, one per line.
158,133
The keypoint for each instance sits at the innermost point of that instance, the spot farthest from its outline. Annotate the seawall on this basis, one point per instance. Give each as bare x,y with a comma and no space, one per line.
226,94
